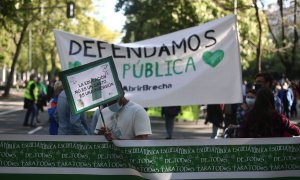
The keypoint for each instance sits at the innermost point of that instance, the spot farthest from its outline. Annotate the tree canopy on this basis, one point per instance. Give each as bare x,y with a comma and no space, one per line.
259,50
28,42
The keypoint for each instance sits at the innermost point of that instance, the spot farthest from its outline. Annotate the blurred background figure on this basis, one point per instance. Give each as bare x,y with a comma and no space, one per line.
53,128
295,89
30,100
286,96
215,116
42,97
170,113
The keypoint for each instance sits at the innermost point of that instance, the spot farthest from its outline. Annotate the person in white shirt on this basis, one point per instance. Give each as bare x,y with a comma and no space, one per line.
123,119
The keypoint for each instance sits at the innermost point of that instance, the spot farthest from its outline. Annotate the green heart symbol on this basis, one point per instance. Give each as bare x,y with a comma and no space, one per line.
74,64
213,58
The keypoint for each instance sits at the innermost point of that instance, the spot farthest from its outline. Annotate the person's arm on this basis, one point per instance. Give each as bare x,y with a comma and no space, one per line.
291,128
142,125
77,126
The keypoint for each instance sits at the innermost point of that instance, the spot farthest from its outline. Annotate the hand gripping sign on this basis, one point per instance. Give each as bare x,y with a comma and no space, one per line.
91,85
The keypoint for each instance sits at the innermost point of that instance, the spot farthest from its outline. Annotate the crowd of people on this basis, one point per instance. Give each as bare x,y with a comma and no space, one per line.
35,99
123,119
265,112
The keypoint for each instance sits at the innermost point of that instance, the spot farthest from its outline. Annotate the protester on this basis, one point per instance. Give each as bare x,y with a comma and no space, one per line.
229,114
294,112
124,119
232,130
42,98
53,128
286,96
264,121
30,100
170,113
264,79
215,116
50,90
69,124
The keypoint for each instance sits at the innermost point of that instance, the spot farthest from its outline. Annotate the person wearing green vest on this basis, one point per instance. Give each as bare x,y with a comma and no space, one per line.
30,100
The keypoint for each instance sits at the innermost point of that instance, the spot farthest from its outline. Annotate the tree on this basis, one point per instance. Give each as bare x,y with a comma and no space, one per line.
147,19
16,25
43,16
285,36
259,44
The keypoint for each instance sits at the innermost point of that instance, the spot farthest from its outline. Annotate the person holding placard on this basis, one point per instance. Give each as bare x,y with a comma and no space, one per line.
70,124
123,119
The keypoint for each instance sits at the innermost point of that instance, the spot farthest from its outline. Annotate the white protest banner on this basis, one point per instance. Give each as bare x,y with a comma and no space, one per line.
91,85
198,65
92,157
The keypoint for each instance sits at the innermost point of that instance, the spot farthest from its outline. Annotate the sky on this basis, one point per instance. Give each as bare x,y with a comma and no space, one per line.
106,13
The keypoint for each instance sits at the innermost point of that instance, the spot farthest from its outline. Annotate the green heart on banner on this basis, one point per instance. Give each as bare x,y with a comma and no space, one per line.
74,64
213,58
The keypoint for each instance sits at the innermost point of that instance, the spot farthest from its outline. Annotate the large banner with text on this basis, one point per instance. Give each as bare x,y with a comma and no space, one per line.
92,157
198,65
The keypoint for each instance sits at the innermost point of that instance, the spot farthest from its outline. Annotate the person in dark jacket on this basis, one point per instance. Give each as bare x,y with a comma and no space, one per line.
170,113
215,116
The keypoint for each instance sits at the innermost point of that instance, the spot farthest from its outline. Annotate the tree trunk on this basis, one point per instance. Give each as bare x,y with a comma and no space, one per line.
53,67
259,45
44,63
296,37
15,59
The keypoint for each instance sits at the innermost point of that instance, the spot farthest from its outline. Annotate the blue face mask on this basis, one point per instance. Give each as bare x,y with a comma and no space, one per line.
250,101
115,107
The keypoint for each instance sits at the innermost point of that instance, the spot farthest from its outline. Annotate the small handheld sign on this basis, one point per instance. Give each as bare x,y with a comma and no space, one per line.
91,85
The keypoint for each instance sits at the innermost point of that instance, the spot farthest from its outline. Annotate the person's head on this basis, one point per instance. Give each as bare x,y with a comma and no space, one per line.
58,87
277,86
264,99
38,80
117,104
32,77
263,80
250,97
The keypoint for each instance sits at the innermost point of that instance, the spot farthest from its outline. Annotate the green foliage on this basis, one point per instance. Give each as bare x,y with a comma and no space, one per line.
150,18
41,18
147,19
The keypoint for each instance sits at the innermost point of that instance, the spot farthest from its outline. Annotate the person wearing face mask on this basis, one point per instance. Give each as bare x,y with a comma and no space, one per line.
264,79
264,121
123,119
233,129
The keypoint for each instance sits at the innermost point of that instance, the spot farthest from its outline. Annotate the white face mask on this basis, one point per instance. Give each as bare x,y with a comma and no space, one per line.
115,107
250,101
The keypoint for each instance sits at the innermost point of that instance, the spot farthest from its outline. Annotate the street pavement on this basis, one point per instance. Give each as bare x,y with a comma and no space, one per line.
12,116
